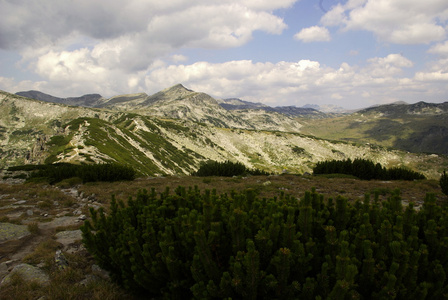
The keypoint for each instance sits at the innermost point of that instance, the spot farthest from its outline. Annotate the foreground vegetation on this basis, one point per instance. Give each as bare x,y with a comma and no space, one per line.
52,199
208,245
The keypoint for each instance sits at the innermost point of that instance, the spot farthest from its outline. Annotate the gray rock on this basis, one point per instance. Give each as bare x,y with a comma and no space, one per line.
29,212
28,273
10,231
98,271
68,237
3,270
60,260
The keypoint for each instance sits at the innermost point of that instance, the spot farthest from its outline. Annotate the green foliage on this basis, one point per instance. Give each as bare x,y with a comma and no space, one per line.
227,168
87,173
58,140
298,150
193,244
365,169
444,183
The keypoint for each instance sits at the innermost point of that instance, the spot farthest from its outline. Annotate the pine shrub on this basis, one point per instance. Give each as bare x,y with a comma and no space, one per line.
444,183
192,244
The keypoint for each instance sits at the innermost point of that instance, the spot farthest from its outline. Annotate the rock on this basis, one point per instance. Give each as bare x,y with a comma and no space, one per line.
60,260
20,202
98,271
89,279
67,238
3,270
29,212
266,183
82,217
10,231
28,273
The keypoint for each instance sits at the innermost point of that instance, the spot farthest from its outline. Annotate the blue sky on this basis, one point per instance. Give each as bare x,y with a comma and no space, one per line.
353,54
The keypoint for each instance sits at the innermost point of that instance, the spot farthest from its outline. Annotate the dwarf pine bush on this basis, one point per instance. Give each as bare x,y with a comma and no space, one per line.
192,244
444,182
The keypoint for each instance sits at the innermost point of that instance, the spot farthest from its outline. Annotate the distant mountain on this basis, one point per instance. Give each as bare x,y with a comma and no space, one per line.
34,132
89,100
291,111
328,108
178,102
235,104
402,109
419,127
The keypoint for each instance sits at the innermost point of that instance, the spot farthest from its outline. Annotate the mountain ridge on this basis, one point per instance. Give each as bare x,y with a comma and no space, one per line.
177,131
87,100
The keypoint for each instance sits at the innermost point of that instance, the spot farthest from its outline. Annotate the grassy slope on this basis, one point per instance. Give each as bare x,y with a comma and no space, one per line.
414,133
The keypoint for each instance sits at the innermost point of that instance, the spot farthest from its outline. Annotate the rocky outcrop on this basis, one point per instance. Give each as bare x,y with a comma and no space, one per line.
28,273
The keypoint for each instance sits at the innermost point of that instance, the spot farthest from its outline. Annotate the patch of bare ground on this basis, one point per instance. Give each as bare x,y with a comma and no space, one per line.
53,214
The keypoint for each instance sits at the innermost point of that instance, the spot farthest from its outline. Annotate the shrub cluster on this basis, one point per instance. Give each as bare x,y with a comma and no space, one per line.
227,168
204,245
88,173
365,169
444,182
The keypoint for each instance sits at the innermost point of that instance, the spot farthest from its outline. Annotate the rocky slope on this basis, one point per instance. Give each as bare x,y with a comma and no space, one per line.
40,132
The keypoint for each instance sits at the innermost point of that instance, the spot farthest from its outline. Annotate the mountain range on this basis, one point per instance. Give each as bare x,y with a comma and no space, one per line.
174,130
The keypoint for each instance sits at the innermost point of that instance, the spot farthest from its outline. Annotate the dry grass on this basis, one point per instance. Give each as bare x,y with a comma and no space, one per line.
270,186
44,253
33,228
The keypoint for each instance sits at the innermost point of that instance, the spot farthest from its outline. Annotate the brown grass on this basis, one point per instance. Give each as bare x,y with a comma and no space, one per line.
269,186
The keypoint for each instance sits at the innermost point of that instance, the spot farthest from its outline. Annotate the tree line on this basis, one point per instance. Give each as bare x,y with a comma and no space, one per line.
226,169
365,169
54,173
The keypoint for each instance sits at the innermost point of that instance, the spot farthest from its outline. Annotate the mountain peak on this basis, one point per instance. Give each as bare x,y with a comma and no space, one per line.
177,88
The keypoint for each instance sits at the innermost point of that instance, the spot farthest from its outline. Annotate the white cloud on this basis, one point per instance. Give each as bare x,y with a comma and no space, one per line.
398,21
298,83
130,34
440,49
379,80
313,34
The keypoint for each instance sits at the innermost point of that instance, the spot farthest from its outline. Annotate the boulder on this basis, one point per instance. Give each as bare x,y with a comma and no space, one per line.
28,273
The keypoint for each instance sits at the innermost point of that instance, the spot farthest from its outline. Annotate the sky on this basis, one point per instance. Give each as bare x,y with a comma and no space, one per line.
353,54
